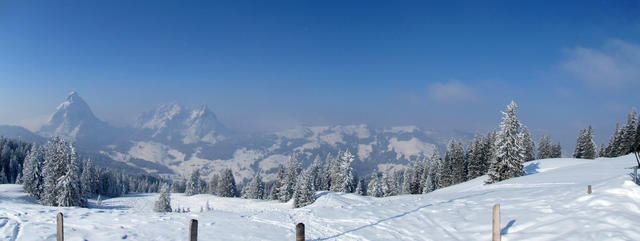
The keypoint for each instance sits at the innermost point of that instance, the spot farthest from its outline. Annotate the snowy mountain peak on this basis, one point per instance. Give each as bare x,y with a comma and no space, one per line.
72,119
175,122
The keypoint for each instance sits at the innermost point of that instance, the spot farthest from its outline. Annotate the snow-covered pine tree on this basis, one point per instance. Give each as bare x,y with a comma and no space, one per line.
459,167
304,190
436,170
342,173
69,187
417,180
286,185
585,146
213,184
316,172
628,134
389,184
508,159
227,184
475,158
33,181
407,180
163,204
254,189
374,188
528,146
325,175
361,188
193,183
556,150
447,178
55,167
544,147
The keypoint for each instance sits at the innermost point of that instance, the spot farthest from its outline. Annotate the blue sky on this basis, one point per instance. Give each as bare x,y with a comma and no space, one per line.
268,65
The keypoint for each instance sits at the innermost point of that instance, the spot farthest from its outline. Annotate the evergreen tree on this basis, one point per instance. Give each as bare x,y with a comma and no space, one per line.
32,172
227,184
213,184
342,173
193,183
70,192
585,146
287,184
407,180
528,146
3,177
304,190
556,151
628,134
459,165
508,158
360,188
447,178
374,188
389,185
417,180
544,147
163,204
55,167
255,188
475,158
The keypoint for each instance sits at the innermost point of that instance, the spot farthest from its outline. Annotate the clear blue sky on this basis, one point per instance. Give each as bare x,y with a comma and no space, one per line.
268,65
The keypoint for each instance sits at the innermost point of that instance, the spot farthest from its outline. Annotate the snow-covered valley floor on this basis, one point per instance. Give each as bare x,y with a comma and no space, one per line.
549,203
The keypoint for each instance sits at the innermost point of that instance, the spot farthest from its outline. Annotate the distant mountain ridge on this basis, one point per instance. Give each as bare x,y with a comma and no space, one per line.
172,139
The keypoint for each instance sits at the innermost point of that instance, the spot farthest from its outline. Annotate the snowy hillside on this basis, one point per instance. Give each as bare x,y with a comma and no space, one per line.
549,203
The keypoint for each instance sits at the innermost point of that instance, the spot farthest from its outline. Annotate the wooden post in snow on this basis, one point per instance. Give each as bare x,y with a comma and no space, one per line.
496,222
60,233
193,230
300,232
589,189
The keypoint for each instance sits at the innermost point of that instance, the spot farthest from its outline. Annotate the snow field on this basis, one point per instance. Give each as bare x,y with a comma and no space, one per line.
549,203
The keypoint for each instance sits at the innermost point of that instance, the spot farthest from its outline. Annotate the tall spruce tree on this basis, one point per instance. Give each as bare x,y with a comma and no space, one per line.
628,134
193,183
304,190
528,146
585,146
508,158
163,204
374,188
32,172
477,165
254,189
227,184
545,144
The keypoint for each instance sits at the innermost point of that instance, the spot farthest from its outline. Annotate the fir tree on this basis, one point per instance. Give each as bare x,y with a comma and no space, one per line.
70,192
163,204
544,147
304,190
508,158
193,183
556,151
528,146
475,158
255,188
286,185
374,188
406,181
585,146
32,172
628,134
360,188
227,184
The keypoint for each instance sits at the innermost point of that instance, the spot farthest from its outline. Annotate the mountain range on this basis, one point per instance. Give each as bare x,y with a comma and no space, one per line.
172,140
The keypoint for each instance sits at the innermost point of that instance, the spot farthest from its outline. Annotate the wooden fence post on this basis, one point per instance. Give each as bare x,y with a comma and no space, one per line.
60,233
589,189
496,222
193,230
300,232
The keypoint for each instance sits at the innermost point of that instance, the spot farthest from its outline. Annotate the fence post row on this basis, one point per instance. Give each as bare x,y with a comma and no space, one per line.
496,222
60,230
300,232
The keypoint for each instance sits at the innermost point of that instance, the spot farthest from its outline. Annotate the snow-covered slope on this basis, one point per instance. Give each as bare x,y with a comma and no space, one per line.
549,203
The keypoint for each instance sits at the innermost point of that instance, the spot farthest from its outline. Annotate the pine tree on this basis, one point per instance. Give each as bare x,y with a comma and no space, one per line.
3,177
342,176
213,184
406,181
528,146
556,151
389,184
55,167
628,134
374,188
286,185
585,146
508,158
360,188
70,192
227,184
255,188
193,183
163,204
32,172
459,165
304,190
475,158
417,180
544,147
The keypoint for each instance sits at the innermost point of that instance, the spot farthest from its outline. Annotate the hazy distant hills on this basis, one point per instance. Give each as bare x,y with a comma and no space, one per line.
173,139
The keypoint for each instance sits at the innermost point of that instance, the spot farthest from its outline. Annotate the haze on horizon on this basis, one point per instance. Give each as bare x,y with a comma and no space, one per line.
269,66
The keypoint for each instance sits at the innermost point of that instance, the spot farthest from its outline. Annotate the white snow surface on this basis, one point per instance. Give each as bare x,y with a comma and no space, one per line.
549,203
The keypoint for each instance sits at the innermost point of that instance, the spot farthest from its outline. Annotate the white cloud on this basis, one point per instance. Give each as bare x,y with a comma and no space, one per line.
616,64
452,91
